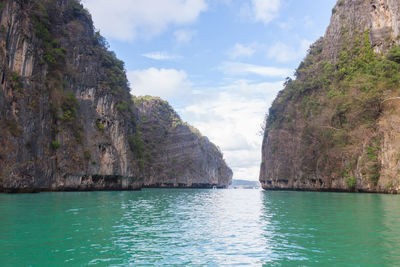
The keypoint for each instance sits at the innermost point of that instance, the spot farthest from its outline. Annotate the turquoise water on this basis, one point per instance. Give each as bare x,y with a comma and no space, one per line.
200,227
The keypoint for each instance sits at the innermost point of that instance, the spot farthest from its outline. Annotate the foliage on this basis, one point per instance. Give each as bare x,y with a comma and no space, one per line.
77,9
56,25
357,68
100,126
87,154
55,144
16,82
394,54
351,183
193,130
45,16
373,165
28,145
114,78
338,104
69,107
141,99
54,54
137,146
123,106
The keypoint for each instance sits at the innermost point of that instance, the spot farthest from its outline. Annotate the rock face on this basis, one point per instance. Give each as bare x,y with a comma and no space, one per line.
67,120
174,153
380,17
336,127
65,110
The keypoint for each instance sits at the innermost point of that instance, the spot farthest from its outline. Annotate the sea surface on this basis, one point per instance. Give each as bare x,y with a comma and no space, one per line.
199,227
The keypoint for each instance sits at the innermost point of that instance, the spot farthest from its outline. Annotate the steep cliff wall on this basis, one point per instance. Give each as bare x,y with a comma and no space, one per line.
380,17
174,153
66,116
336,126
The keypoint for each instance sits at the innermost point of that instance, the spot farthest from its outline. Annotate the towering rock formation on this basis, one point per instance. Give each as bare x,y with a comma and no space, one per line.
381,18
65,108
337,125
174,153
67,120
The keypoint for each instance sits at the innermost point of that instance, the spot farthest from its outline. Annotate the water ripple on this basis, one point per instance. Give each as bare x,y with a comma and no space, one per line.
199,227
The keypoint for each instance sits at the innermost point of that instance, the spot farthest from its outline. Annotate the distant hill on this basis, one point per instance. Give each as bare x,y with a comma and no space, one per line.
175,154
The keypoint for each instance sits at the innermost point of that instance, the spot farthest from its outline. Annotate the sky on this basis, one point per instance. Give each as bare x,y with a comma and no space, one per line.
219,63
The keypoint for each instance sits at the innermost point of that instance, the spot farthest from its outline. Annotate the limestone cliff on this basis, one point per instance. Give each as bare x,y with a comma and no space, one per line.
336,126
67,119
174,153
65,110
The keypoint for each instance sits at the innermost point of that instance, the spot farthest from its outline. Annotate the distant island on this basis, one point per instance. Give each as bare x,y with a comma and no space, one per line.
244,184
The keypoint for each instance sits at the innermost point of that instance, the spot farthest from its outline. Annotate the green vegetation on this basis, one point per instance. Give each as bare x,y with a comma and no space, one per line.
122,106
87,154
28,145
76,10
16,82
339,103
274,148
114,77
394,54
355,83
351,183
3,29
194,130
137,146
64,105
100,126
46,14
69,107
47,17
373,165
372,151
54,54
55,145
141,99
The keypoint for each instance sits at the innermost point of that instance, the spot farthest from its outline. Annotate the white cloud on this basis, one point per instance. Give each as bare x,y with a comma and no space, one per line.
284,53
265,10
165,83
261,10
240,50
231,116
126,19
237,68
184,36
161,56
